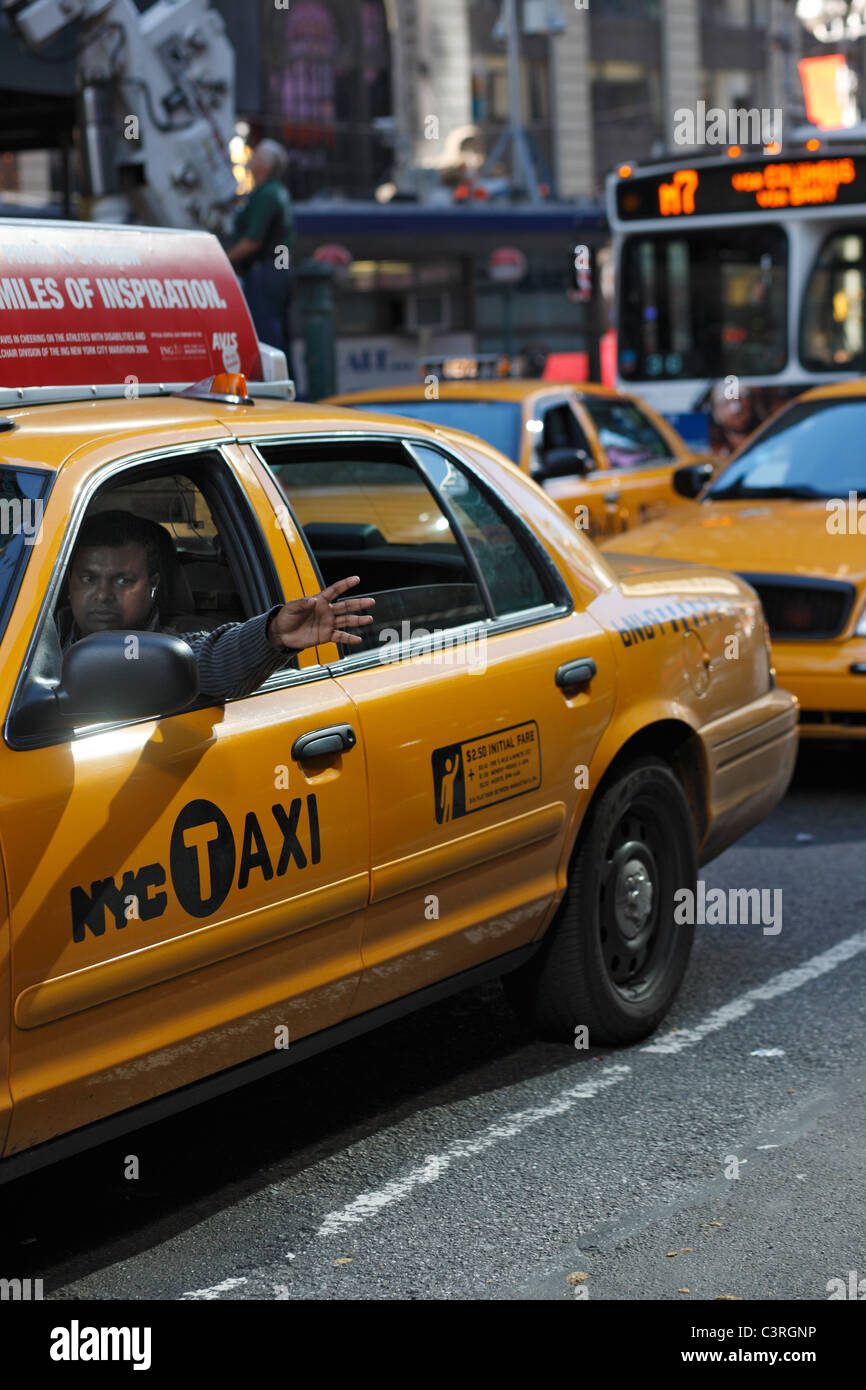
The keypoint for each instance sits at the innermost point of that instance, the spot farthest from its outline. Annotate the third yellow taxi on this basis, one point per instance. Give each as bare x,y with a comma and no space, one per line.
788,514
604,457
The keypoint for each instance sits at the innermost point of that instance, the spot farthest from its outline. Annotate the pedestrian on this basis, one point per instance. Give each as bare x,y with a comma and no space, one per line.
261,247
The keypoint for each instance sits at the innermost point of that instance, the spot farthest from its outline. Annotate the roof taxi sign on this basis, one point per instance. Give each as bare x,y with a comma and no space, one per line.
84,305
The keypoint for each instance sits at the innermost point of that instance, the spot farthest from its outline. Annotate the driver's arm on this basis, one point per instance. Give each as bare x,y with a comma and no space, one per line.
235,658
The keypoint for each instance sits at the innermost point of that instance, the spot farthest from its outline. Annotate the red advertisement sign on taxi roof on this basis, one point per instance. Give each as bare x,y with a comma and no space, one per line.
85,305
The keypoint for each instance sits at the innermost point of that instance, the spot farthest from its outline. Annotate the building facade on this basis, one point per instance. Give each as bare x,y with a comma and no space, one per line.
367,93
608,86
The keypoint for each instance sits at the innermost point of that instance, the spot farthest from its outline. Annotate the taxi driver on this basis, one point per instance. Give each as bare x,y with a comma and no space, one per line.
114,581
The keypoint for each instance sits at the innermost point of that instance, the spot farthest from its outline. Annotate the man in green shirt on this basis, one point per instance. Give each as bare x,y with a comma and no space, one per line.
262,240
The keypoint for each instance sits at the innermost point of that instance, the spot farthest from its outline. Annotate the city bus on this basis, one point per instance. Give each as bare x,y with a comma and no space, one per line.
417,283
740,281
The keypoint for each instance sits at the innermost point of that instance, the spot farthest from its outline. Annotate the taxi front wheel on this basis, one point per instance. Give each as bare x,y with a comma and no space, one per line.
614,956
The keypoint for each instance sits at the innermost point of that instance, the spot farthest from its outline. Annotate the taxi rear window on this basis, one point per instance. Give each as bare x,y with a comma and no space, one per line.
366,510
22,499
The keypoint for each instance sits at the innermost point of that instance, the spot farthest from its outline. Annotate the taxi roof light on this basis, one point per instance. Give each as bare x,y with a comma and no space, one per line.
481,366
230,387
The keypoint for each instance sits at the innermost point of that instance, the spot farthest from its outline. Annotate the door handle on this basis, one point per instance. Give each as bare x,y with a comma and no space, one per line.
337,738
575,672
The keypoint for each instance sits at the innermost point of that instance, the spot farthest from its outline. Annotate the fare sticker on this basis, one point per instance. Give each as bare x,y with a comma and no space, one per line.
485,770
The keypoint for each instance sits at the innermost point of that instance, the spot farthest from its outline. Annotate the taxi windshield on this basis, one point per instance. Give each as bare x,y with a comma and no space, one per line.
22,495
812,449
497,422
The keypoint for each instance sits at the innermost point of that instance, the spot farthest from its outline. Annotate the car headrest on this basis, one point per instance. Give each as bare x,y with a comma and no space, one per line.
175,595
343,535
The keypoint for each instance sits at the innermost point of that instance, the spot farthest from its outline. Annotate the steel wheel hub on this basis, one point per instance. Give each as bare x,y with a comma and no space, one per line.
633,897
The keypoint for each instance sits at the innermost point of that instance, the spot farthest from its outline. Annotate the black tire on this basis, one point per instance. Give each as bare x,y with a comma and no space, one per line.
614,961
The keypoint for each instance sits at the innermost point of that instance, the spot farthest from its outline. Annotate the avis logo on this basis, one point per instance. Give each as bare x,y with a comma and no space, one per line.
202,860
837,1288
227,344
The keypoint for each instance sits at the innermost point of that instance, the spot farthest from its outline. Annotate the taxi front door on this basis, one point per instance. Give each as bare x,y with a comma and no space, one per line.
183,896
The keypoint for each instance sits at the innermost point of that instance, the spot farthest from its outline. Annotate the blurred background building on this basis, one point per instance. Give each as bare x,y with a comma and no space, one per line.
367,93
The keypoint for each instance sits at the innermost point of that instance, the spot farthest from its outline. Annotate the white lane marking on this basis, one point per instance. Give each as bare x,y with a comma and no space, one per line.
369,1203
216,1290
768,1052
772,989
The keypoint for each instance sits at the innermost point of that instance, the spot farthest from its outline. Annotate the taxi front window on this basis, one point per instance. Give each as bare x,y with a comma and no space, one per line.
626,434
496,422
22,496
810,450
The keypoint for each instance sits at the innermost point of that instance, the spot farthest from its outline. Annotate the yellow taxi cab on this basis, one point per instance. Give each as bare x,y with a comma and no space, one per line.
604,456
788,513
525,758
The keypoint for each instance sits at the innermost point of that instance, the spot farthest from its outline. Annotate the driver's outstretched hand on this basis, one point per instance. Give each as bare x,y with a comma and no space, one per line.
308,622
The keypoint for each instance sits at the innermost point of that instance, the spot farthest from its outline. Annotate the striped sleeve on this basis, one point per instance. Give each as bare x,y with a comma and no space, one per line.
235,658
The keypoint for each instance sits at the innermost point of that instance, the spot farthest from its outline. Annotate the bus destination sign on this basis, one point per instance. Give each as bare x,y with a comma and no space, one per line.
764,185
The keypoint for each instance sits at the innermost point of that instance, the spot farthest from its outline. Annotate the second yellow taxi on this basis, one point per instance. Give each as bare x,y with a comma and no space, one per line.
604,457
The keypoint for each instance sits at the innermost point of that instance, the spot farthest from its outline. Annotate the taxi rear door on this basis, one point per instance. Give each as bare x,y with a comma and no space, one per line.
476,726
184,891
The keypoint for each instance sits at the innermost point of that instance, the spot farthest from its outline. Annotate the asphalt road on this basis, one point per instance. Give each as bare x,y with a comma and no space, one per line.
450,1156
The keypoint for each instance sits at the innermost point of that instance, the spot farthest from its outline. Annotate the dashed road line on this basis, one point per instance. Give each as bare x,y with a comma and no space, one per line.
737,1008
216,1290
370,1203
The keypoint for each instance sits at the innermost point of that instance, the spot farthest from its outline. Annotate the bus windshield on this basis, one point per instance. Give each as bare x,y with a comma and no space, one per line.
812,449
497,422
699,304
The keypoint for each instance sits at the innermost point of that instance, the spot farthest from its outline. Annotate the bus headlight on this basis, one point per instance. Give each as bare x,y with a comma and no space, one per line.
860,629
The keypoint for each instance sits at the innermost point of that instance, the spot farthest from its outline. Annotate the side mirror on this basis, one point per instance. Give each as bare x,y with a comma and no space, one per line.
106,677
562,463
691,479
126,675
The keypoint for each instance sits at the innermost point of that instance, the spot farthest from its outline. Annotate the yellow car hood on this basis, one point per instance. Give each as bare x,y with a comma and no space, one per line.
771,537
